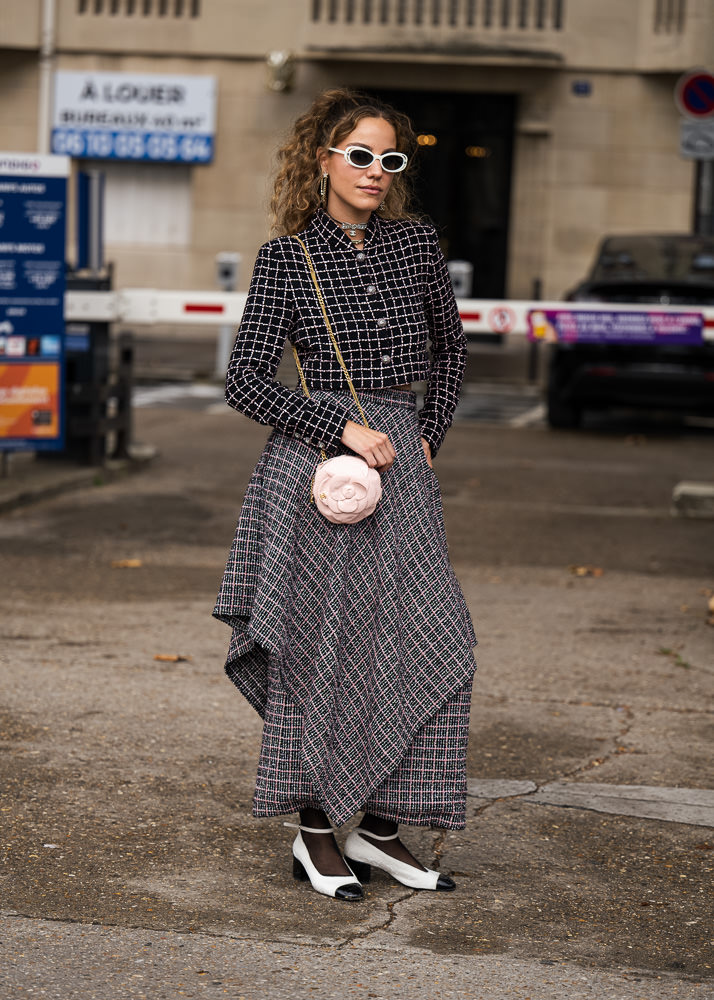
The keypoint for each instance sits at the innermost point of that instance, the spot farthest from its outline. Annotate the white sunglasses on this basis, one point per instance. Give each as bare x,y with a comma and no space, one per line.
358,156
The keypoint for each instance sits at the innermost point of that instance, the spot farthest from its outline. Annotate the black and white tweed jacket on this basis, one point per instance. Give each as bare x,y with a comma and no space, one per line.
392,309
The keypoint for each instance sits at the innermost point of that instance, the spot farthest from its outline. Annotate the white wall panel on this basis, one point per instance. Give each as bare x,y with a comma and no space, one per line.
147,204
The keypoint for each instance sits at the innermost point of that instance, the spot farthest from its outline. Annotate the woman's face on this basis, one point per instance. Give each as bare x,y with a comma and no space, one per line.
354,192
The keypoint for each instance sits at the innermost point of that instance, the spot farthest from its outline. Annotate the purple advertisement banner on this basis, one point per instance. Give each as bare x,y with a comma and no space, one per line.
582,326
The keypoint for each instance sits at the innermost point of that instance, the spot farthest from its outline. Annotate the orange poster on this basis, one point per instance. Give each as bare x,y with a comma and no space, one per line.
30,401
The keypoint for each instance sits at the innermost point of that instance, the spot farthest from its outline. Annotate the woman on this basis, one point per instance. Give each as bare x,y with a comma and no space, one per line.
353,641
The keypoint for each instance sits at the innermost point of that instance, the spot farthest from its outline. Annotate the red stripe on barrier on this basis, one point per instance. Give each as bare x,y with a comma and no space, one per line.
709,323
207,308
471,317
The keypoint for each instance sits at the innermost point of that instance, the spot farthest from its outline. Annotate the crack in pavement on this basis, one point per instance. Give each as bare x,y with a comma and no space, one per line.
205,932
580,769
629,716
615,706
363,935
439,837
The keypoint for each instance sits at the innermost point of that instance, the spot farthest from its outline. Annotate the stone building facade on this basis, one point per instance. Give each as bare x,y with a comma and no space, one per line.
545,123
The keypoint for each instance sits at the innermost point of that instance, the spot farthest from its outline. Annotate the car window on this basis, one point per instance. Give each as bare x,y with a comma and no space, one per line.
655,258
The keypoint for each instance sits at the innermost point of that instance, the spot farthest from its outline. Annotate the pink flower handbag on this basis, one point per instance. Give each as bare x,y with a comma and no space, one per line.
344,488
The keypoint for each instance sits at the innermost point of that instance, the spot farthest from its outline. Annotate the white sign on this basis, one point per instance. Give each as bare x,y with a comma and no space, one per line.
134,116
696,139
33,165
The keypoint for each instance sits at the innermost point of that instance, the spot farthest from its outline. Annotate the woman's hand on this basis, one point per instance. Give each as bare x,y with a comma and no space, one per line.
373,446
427,452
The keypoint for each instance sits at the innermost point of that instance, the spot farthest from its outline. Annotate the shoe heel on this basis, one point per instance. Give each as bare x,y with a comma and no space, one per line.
299,871
363,872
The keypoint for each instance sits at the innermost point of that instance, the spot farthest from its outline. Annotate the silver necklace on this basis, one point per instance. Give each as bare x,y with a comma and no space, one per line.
351,228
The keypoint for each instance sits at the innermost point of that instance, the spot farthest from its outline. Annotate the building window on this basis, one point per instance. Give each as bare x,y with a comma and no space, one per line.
509,15
147,204
145,8
669,16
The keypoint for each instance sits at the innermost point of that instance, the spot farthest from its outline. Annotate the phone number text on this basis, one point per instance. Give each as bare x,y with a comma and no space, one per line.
105,145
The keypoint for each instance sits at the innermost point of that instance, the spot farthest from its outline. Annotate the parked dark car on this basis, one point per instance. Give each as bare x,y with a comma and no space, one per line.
669,269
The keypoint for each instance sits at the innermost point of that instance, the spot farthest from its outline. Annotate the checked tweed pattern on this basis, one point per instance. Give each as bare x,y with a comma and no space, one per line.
393,312
353,641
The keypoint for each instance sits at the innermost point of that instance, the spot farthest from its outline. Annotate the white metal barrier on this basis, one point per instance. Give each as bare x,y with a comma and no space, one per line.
145,306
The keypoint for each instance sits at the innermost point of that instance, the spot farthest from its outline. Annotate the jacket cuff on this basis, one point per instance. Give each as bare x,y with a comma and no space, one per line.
325,426
432,431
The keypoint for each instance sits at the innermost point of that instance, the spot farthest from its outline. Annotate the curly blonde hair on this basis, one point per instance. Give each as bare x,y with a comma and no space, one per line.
332,116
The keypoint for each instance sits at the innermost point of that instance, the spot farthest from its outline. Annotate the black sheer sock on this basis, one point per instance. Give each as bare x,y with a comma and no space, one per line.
394,848
322,847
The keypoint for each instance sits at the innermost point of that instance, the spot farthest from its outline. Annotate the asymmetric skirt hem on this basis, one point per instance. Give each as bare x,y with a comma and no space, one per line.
352,641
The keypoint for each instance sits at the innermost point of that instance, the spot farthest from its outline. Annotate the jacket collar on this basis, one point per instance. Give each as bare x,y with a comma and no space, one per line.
323,228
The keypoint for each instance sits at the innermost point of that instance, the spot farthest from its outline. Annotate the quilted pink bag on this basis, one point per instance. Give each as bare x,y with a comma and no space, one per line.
344,488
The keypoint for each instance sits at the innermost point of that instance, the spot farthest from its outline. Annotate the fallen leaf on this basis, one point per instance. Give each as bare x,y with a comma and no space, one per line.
586,570
126,563
171,658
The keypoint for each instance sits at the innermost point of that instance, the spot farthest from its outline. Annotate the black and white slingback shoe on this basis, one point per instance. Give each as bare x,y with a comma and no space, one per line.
344,887
361,855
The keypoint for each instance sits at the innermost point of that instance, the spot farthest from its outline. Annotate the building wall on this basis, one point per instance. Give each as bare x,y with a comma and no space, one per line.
18,100
615,168
584,165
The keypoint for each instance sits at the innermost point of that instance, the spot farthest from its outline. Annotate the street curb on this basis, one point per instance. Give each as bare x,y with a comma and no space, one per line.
690,499
78,479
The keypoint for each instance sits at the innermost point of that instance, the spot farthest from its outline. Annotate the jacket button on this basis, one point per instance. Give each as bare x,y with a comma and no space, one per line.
360,256
386,359
381,321
371,289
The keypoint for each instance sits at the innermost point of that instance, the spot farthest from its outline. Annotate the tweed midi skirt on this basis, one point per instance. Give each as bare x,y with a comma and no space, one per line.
352,641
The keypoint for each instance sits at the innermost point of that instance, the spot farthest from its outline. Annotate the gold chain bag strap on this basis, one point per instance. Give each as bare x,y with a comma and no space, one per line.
344,488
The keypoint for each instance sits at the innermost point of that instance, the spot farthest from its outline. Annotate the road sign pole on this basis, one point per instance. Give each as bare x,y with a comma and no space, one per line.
704,199
694,97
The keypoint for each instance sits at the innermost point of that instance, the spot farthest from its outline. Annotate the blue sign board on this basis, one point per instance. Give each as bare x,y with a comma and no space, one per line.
166,147
33,201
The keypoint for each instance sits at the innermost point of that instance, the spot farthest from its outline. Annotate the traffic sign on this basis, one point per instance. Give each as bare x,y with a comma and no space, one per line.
502,319
696,139
694,94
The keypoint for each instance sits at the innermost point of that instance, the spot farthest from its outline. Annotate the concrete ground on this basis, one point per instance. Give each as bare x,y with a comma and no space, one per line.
131,864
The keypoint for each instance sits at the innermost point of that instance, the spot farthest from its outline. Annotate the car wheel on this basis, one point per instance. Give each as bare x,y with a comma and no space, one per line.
561,415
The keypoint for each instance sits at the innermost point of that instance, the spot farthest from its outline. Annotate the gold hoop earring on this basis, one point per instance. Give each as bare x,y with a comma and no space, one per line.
323,190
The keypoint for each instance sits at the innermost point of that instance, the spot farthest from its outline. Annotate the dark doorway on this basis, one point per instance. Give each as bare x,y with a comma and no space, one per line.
463,175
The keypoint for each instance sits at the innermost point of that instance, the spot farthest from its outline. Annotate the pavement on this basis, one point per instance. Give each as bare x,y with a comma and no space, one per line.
131,864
